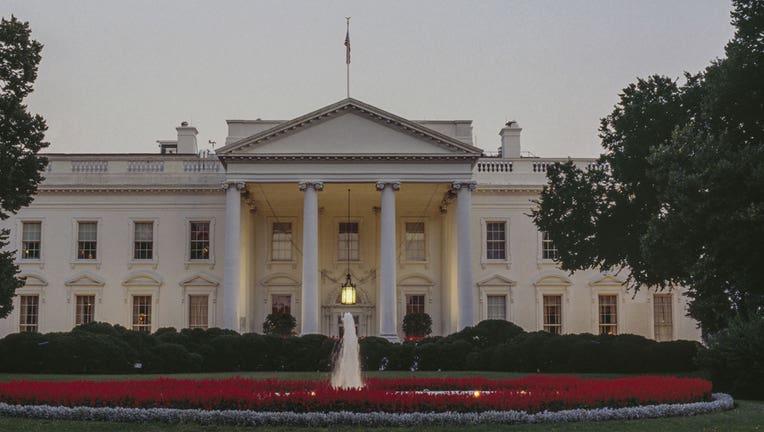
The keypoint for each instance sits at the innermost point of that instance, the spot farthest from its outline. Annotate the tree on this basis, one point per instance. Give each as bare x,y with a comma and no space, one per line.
281,324
418,325
682,202
21,135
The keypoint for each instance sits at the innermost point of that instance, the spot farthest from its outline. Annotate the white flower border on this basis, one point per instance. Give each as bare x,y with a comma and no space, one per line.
721,401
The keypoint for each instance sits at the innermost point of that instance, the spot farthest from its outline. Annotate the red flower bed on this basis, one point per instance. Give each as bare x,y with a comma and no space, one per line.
532,393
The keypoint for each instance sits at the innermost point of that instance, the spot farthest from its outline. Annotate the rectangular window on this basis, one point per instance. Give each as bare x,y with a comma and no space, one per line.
281,303
198,307
87,240
142,313
608,314
30,308
553,314
347,246
415,241
497,307
496,240
548,249
200,241
281,241
414,304
143,244
85,309
31,238
663,317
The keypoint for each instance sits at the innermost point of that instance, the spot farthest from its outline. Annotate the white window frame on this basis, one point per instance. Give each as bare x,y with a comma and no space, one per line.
543,311
200,284
154,303
336,239
188,308
540,258
20,241
618,311
295,238
404,251
505,302
39,310
154,261
74,247
674,307
414,284
496,285
95,303
553,283
484,261
187,236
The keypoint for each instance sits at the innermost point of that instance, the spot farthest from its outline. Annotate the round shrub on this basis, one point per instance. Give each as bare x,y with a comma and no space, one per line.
281,324
417,324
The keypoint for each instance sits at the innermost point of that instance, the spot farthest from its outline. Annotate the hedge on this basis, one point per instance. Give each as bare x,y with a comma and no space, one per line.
490,345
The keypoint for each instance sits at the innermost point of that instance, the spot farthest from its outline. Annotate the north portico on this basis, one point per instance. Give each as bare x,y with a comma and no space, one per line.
294,176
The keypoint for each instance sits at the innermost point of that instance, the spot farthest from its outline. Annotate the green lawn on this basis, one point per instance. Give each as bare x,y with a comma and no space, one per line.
748,416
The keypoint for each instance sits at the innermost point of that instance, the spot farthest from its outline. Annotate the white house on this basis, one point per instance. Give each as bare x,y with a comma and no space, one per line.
186,239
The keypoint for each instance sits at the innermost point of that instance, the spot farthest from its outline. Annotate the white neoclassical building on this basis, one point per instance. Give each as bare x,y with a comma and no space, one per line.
422,220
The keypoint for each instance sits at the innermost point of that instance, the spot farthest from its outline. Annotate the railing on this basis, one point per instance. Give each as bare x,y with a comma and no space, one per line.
202,165
541,166
145,166
90,166
602,166
494,166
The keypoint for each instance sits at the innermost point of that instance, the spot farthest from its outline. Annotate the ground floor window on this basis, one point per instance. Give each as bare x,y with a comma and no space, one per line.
497,307
30,307
553,314
85,309
198,308
608,314
663,317
142,313
414,304
281,303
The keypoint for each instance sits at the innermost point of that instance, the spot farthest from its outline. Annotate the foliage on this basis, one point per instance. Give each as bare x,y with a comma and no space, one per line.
417,324
21,136
682,202
282,324
735,358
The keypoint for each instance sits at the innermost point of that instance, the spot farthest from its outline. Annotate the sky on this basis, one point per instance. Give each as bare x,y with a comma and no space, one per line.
117,76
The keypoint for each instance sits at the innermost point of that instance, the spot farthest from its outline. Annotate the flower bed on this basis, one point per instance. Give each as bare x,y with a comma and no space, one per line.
530,394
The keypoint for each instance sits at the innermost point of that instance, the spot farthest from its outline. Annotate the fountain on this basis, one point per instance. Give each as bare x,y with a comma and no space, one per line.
347,365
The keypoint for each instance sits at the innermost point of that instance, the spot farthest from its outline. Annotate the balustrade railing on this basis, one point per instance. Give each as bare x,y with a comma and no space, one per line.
90,166
145,166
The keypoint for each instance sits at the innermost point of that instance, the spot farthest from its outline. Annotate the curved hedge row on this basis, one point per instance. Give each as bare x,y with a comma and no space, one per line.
490,345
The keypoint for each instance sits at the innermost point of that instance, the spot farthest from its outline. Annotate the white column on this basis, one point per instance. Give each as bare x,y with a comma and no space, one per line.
387,263
309,319
464,286
232,259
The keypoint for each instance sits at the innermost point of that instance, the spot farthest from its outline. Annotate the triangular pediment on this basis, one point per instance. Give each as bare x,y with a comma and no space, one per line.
85,279
143,278
496,280
606,279
200,279
349,127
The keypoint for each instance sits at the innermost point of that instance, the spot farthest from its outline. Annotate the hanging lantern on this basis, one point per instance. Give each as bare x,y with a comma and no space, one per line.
347,296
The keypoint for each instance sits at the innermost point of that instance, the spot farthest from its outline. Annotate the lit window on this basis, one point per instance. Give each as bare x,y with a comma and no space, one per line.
496,240
30,307
87,240
497,307
200,241
548,248
347,246
198,307
143,244
415,241
663,317
553,314
281,303
608,314
142,313
414,304
31,237
281,241
85,309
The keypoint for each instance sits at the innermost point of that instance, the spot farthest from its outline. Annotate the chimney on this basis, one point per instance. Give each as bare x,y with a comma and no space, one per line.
186,138
510,140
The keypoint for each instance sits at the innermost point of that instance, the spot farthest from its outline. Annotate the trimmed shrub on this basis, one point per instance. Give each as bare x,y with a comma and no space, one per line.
282,324
417,325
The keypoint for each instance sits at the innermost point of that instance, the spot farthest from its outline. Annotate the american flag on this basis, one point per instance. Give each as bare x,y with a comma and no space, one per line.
347,47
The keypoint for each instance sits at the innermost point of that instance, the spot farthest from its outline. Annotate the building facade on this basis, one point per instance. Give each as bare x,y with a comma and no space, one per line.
421,219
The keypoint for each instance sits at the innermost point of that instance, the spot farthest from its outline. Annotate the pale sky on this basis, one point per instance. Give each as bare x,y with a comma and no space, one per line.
117,76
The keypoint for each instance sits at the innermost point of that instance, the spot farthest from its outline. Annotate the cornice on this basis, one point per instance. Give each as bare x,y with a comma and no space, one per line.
129,188
344,157
509,188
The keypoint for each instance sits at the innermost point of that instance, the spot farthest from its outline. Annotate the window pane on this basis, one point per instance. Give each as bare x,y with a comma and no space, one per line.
143,248
548,248
30,307
553,314
31,237
142,313
414,304
200,241
85,309
281,242
87,240
496,244
415,241
198,311
281,303
347,246
663,317
608,314
497,307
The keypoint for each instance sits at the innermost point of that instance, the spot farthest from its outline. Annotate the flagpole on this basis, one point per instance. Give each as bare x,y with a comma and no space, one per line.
347,55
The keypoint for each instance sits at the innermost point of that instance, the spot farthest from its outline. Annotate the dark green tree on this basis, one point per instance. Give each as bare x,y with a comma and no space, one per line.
21,138
281,324
682,202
